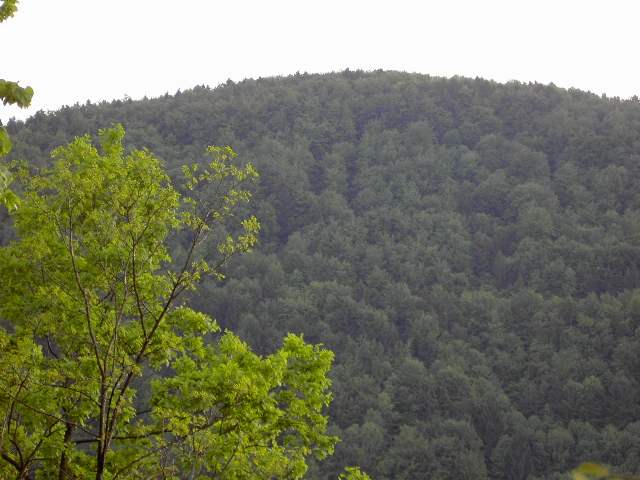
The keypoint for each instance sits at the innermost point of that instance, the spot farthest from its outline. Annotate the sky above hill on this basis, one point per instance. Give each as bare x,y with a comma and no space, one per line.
71,51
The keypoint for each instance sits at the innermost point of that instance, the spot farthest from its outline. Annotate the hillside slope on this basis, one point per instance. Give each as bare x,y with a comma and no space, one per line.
470,251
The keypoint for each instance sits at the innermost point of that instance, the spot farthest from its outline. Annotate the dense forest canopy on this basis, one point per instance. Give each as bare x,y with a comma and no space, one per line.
469,250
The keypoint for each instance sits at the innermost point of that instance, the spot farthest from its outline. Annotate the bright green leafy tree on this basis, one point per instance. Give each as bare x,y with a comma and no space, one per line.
104,371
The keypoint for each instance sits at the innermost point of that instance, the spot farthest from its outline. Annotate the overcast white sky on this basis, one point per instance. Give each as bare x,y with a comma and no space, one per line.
73,50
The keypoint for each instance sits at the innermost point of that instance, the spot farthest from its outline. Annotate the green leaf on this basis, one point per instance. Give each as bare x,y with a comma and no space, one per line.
5,142
12,93
8,9
353,473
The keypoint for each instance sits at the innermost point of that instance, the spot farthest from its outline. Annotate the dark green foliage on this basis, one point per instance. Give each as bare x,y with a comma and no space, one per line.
469,250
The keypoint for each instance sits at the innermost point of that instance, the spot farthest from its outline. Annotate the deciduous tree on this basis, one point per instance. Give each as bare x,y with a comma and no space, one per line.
104,371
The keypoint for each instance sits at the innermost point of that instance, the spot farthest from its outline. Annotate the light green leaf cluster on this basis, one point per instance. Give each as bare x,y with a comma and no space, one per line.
7,198
353,473
92,297
11,93
8,9
234,412
5,142
23,391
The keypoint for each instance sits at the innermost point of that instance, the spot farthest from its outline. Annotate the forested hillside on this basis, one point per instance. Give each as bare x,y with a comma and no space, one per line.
469,250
